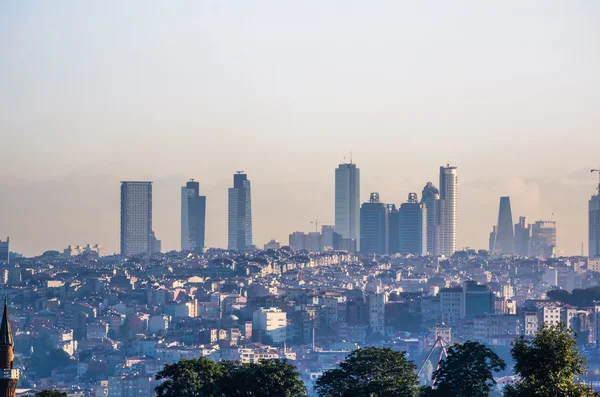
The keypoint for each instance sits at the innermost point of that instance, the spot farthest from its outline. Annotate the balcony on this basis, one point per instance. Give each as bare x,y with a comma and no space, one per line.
10,374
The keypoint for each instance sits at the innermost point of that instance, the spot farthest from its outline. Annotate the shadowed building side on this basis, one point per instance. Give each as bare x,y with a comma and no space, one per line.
9,377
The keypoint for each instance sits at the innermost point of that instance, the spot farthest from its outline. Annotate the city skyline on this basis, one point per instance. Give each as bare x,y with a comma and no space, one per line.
287,90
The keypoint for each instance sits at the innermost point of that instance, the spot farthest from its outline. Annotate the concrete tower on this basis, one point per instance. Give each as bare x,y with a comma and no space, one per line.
9,377
448,224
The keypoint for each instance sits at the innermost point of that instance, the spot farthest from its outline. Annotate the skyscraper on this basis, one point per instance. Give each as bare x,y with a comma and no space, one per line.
240,213
431,199
5,250
505,238
413,227
373,226
523,237
594,225
347,202
10,376
543,238
193,217
136,218
448,218
393,229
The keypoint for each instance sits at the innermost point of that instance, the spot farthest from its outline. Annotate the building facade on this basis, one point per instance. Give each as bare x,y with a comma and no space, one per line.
594,225
448,219
430,198
373,227
271,322
5,250
193,217
543,238
347,202
413,227
523,237
240,213
136,218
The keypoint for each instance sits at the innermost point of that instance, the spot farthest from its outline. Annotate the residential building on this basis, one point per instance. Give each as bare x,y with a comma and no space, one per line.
240,213
193,217
448,218
413,227
347,202
430,198
373,227
505,239
297,241
136,218
271,322
451,304
376,304
74,250
327,231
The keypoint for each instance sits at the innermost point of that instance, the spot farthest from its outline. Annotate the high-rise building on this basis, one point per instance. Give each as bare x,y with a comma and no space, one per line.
347,201
5,250
492,241
448,218
543,238
373,227
413,227
327,231
505,238
240,213
431,199
393,229
594,225
523,237
9,377
193,217
136,218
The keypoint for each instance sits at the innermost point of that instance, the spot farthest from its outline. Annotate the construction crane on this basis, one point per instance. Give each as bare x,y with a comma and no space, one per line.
317,223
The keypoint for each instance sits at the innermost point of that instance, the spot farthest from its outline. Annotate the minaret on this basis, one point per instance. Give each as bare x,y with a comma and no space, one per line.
9,377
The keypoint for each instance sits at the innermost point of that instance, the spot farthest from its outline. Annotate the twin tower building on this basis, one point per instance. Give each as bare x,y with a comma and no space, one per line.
419,228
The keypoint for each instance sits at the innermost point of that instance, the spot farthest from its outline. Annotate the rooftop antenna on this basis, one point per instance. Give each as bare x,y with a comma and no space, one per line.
239,172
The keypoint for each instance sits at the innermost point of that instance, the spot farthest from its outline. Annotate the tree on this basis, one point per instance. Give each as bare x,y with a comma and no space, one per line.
190,378
467,371
371,372
268,378
51,393
548,365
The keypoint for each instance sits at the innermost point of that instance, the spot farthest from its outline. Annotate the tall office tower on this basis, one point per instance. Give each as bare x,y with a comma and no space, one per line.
431,199
136,218
5,250
9,377
240,213
448,218
193,217
543,238
373,227
347,202
413,227
594,225
523,237
505,238
393,229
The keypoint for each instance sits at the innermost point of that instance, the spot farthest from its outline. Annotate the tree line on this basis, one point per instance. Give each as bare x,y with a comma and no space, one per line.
547,365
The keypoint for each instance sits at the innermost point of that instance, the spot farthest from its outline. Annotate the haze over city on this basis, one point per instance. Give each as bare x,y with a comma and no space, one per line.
507,92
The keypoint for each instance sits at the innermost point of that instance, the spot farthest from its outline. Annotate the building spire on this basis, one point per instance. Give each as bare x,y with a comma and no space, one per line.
6,337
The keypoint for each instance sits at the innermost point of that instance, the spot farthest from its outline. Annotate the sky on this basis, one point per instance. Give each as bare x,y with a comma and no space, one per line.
92,93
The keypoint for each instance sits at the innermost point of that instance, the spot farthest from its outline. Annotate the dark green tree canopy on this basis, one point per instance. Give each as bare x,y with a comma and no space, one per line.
205,378
548,365
467,371
51,393
371,372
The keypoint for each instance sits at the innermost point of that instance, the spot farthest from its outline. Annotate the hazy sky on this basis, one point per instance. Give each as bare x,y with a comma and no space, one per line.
92,93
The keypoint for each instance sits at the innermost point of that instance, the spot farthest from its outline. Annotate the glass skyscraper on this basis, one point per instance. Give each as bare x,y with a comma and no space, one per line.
136,218
193,217
347,202
413,227
505,238
448,220
240,213
374,227
430,198
594,225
